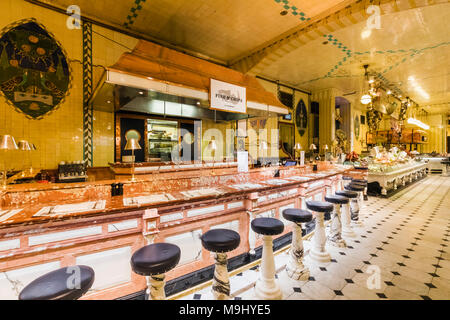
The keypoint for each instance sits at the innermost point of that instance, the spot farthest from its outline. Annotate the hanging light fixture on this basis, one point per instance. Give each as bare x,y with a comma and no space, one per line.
414,121
366,98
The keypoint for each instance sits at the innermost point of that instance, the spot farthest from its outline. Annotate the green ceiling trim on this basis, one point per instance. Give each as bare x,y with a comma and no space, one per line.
134,12
410,53
294,10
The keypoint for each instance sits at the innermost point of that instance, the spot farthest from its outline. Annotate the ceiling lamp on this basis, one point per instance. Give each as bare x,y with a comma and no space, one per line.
418,123
366,99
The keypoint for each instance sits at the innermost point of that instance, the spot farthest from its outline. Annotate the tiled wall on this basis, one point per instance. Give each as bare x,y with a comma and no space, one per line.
59,135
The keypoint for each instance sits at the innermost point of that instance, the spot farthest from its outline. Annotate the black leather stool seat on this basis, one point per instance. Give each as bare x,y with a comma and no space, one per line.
297,215
157,258
362,168
220,240
336,199
354,187
359,184
267,226
348,194
54,285
347,178
446,163
363,181
319,206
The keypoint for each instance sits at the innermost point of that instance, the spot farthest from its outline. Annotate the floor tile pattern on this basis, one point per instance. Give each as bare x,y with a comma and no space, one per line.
400,252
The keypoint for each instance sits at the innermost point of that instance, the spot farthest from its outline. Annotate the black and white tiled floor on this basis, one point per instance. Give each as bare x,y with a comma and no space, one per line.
404,239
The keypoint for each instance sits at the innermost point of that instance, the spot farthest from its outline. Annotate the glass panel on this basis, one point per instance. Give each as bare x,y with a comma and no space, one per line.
162,138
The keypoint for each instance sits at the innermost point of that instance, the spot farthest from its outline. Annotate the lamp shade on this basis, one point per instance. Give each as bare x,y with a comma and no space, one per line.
325,147
24,145
132,144
298,146
263,145
7,142
213,145
312,147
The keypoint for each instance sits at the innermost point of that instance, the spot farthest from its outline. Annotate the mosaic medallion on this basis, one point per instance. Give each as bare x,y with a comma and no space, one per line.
34,71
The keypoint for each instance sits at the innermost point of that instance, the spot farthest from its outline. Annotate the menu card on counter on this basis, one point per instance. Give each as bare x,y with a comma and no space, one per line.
242,157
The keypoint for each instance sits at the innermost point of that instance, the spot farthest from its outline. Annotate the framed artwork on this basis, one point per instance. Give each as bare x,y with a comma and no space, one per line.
301,117
35,75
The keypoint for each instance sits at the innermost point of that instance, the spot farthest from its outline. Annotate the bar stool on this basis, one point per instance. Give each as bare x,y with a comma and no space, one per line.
447,165
221,241
361,194
355,204
267,287
154,261
364,183
334,236
347,230
69,283
295,268
318,251
345,180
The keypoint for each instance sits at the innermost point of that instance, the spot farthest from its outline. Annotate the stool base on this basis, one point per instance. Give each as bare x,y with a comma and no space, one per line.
319,256
268,290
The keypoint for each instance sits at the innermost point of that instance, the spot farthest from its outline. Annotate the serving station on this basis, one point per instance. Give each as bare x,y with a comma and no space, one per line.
44,227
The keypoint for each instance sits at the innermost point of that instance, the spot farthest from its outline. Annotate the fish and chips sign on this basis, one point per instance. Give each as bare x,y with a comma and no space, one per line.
228,97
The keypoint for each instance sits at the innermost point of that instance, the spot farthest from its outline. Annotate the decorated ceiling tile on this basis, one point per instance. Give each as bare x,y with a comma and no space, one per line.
35,74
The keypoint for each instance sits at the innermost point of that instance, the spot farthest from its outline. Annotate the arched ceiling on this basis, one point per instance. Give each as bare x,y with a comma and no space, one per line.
284,39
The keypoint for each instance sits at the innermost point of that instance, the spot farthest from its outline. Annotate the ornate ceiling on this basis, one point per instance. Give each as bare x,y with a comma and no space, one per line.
308,44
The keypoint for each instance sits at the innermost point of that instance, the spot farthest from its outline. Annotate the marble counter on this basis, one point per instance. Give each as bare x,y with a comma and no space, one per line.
48,227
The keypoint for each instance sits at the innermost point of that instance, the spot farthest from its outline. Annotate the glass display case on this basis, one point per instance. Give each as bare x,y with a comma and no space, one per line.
162,139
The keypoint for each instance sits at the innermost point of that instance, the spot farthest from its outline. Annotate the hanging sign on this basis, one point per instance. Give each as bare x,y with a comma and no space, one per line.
228,97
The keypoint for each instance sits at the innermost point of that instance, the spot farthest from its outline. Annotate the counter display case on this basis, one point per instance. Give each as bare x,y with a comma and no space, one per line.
394,168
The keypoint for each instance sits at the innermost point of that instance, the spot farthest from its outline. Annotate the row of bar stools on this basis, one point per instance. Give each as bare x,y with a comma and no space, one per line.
335,236
221,241
318,251
69,283
266,286
295,267
347,230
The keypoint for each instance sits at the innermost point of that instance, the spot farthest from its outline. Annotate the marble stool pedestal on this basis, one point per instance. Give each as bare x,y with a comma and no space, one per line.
347,230
295,268
154,261
365,184
266,286
335,234
318,251
69,283
221,241
355,204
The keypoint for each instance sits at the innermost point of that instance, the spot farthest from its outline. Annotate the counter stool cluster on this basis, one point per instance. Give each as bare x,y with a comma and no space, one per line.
155,260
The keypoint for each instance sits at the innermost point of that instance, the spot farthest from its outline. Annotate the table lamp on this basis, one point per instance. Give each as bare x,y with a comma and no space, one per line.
312,147
7,142
213,147
132,144
297,148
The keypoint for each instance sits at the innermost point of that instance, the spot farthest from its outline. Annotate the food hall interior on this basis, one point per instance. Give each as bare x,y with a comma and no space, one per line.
224,150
